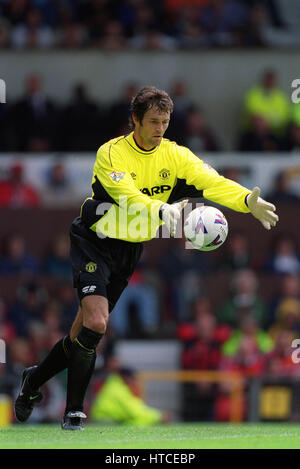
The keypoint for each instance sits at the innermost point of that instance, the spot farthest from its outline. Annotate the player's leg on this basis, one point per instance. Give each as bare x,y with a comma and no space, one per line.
34,377
83,357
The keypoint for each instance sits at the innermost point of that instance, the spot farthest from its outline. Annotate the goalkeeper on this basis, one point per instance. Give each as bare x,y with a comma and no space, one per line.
140,181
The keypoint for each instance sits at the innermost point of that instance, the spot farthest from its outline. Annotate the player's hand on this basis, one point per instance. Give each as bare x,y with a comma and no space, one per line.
262,210
170,214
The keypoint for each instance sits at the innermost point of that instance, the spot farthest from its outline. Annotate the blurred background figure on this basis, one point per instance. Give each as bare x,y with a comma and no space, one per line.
117,400
15,259
244,301
143,300
267,100
259,137
237,253
81,122
285,257
15,192
58,191
196,134
27,307
119,112
35,118
57,261
202,341
33,33
281,192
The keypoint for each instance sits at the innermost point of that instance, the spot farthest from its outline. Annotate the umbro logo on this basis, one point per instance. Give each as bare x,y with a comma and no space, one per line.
89,289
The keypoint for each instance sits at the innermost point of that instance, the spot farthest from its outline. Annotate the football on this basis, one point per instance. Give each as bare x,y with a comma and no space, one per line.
206,228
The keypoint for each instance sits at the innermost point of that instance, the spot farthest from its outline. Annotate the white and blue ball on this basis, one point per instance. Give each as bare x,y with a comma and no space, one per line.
206,228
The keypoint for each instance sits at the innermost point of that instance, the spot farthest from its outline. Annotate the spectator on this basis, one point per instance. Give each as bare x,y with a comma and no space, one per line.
192,33
58,191
284,259
7,330
292,142
144,299
243,352
259,137
28,306
196,134
15,192
80,128
35,119
4,33
281,192
183,268
16,11
236,254
113,37
244,301
117,402
278,362
245,348
287,318
119,111
252,32
69,305
57,263
202,342
73,36
15,260
287,289
220,18
32,33
181,103
267,100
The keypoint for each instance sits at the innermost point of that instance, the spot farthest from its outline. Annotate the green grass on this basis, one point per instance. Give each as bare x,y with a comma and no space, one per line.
170,436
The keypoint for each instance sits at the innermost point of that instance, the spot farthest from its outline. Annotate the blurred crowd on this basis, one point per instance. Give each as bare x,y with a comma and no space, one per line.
268,121
116,25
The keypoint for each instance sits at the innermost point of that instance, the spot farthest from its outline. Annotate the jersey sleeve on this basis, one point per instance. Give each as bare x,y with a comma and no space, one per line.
201,179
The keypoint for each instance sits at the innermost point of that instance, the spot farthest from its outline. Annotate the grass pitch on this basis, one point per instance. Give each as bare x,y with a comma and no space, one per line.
170,436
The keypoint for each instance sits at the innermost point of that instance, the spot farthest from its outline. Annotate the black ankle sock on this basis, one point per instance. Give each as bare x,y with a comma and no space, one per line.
56,361
81,366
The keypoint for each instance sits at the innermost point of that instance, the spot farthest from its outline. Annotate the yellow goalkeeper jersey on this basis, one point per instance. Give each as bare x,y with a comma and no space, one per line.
130,184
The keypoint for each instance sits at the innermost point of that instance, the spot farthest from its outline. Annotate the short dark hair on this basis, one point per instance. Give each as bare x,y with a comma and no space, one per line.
147,98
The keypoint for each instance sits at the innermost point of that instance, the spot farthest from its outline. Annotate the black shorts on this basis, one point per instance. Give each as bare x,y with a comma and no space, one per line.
101,266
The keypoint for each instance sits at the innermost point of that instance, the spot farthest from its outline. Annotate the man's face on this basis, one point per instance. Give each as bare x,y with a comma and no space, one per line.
150,131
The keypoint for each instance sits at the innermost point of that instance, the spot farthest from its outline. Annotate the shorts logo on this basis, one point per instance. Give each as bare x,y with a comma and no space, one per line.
116,176
89,289
164,173
91,267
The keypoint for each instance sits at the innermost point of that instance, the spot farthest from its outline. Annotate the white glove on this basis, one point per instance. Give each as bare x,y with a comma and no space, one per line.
262,210
170,214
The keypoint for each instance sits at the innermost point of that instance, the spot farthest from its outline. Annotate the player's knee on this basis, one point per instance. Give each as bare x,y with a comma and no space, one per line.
97,323
95,316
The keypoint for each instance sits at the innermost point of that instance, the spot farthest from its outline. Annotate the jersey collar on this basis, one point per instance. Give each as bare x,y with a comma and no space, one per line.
131,141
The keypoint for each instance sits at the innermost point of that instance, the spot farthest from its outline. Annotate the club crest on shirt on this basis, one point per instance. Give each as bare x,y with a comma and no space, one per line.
91,267
116,176
133,175
164,174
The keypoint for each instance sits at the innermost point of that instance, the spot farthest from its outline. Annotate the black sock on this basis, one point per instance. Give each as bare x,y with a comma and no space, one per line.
81,367
56,361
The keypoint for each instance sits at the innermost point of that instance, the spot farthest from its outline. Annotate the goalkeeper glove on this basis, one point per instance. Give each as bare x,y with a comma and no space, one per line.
262,210
170,214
